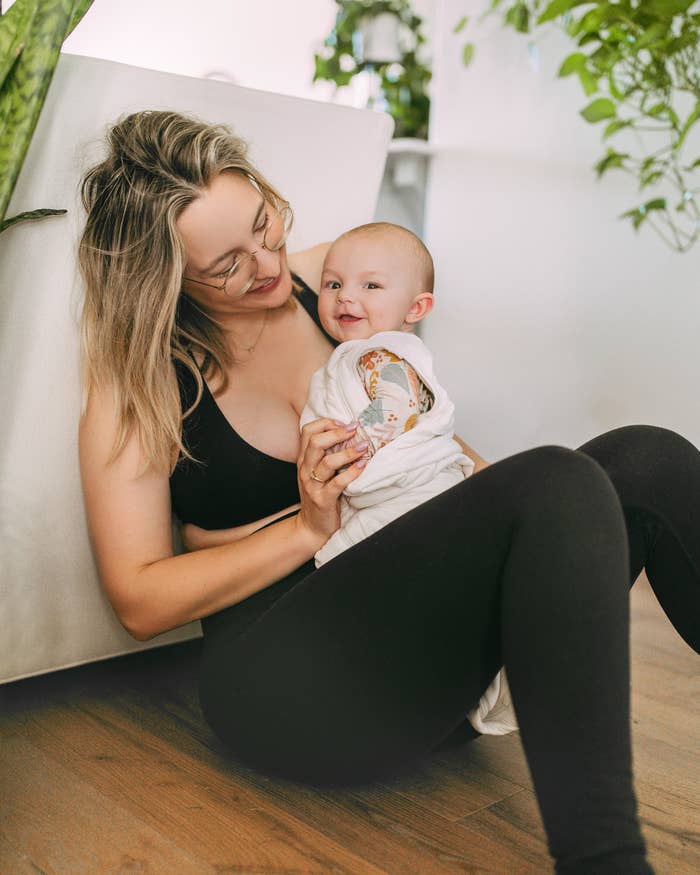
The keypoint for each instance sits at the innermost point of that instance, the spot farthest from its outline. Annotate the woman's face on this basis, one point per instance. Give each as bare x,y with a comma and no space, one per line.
224,223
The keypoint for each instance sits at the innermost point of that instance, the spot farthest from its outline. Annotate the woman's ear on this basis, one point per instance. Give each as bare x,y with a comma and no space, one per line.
421,306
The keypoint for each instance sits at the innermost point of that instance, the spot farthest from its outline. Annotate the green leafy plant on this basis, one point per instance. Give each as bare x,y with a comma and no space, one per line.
403,83
31,35
639,63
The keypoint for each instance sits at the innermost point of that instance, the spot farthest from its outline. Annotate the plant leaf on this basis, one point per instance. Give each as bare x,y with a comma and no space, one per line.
559,7
572,64
467,54
615,126
24,90
652,35
29,216
588,81
461,24
14,27
636,215
612,159
689,122
598,110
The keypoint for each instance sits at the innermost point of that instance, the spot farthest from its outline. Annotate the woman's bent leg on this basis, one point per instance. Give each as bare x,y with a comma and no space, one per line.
371,660
656,473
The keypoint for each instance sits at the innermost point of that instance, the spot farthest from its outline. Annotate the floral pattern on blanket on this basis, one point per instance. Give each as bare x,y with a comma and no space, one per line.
397,397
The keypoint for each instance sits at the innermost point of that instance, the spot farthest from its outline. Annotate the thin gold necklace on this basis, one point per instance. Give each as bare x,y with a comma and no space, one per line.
257,339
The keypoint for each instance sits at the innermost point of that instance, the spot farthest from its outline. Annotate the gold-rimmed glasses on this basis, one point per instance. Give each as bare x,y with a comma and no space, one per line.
237,279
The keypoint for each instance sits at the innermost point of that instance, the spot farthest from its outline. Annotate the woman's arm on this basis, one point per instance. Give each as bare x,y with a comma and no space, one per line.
129,523
479,463
196,538
308,263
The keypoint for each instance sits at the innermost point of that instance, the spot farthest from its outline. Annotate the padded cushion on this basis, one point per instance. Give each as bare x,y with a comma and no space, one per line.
327,159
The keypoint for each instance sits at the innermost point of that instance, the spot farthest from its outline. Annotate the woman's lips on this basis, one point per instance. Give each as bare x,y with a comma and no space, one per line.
269,287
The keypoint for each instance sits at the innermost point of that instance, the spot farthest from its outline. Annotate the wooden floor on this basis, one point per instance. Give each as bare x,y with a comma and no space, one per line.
110,768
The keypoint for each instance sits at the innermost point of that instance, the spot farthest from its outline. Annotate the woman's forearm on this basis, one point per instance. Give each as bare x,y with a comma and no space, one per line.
178,589
479,463
201,538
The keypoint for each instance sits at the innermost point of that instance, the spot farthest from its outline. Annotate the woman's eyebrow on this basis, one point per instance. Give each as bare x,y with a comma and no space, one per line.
231,251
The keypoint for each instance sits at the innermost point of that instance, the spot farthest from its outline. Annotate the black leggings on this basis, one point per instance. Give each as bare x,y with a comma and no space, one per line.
353,671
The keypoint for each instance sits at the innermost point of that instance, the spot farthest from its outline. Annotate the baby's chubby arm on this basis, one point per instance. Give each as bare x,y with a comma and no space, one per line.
396,395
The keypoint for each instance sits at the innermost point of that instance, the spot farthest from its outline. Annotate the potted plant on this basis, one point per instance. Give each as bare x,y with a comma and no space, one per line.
31,35
382,38
638,62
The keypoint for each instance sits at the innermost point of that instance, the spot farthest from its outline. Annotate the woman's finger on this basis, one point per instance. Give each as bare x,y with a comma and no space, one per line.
329,464
315,443
333,462
346,476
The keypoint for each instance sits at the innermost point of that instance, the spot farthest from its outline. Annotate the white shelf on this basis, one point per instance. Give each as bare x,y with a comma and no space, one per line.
410,146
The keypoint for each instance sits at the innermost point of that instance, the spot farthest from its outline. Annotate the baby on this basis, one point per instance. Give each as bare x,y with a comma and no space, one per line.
376,285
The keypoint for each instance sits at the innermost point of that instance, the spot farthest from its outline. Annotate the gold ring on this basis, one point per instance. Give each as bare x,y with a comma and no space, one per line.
314,476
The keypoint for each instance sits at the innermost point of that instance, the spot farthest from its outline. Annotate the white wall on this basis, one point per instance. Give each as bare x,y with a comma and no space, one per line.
268,44
553,320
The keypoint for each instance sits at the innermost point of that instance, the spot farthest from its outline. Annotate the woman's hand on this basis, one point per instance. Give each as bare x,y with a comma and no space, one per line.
319,515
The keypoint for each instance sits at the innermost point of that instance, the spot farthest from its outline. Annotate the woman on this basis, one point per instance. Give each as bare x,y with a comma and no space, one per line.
199,338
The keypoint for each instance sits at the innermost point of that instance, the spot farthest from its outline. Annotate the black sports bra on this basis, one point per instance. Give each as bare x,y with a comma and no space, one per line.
237,483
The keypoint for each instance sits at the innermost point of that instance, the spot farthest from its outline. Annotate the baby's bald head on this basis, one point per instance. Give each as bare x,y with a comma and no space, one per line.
399,238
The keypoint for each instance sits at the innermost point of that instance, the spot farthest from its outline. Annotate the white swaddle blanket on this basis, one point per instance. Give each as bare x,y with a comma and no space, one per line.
415,466
410,469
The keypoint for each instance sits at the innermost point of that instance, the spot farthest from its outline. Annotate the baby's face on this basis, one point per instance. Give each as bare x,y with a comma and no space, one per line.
367,285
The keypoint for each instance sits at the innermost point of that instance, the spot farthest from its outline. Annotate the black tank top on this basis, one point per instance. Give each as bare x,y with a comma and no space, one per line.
237,483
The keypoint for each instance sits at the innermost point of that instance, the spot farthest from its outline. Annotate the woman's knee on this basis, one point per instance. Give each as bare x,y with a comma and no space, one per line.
638,446
644,461
567,482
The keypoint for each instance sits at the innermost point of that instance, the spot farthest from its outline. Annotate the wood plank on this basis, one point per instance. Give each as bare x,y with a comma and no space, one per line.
14,861
383,832
349,823
499,755
218,819
452,789
671,828
61,824
517,822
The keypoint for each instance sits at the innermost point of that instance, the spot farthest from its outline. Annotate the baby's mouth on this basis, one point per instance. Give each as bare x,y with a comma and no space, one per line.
346,318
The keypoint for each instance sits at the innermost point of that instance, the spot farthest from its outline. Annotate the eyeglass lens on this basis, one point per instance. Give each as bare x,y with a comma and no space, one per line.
243,272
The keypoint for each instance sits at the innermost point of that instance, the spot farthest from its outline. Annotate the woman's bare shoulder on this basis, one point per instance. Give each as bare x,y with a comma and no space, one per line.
307,264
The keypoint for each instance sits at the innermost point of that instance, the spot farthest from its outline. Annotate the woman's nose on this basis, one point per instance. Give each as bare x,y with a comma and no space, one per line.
266,258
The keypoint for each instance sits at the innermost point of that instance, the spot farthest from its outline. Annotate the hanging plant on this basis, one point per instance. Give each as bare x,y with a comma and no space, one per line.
403,82
638,62
31,35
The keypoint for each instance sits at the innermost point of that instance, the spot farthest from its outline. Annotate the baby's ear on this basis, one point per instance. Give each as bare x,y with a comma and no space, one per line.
421,306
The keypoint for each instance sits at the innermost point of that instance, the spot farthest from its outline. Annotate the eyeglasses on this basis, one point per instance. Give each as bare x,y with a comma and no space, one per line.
240,276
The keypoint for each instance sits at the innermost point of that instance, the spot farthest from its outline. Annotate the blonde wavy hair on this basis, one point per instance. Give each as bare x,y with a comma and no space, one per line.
135,319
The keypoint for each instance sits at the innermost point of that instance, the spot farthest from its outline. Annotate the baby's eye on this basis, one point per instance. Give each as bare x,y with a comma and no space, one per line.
332,284
372,286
